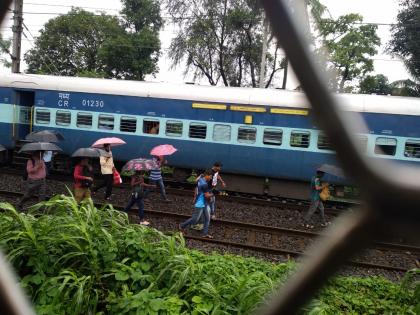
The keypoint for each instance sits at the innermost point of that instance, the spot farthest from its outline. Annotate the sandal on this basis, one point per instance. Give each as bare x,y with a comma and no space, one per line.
144,222
308,226
208,236
325,224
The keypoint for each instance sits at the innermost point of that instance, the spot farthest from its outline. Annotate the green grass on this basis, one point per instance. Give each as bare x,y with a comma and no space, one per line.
82,260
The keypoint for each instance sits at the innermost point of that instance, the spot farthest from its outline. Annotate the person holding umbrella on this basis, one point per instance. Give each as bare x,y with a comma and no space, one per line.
158,154
107,169
137,196
83,177
35,183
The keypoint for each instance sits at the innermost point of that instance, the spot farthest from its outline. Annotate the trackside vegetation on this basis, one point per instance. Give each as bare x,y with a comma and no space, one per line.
74,259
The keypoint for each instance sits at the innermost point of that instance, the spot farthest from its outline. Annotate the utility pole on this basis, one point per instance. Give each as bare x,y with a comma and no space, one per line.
264,53
17,35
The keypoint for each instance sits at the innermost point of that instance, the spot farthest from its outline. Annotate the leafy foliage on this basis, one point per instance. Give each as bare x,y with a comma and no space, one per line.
4,49
83,43
77,259
405,41
377,84
349,47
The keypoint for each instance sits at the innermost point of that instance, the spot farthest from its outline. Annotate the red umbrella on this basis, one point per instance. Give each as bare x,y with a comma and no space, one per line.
113,141
164,149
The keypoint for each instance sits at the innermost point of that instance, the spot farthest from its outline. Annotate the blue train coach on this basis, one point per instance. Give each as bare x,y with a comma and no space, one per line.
259,132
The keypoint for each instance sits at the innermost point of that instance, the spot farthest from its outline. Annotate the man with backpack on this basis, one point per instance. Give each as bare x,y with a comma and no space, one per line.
35,182
202,199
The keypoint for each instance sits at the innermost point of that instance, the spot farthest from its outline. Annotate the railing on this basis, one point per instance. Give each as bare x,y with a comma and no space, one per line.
390,197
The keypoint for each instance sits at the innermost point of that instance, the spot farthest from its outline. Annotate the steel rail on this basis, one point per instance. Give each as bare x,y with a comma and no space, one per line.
274,230
392,193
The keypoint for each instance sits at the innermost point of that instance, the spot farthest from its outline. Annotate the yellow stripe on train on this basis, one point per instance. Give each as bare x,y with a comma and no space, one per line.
288,111
253,109
209,106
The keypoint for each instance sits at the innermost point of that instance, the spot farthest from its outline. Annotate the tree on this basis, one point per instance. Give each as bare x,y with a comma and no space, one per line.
405,88
349,47
405,42
377,84
221,40
86,44
5,49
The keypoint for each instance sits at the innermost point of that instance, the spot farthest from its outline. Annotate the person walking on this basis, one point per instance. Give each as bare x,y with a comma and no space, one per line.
203,194
35,182
83,180
107,169
316,202
137,195
155,177
217,167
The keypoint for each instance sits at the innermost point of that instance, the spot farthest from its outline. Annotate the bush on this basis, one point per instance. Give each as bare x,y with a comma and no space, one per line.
82,260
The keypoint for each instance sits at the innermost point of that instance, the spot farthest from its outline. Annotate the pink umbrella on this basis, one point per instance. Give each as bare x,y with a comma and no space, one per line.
164,149
113,141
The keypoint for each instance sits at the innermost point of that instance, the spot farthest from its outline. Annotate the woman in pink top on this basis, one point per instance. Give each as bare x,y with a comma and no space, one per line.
35,183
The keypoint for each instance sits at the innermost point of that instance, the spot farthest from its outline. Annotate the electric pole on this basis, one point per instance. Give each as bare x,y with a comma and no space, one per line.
264,53
17,35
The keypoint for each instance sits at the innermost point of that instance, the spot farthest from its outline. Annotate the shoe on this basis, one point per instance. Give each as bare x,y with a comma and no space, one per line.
167,200
144,222
208,236
197,227
213,217
325,224
108,198
308,226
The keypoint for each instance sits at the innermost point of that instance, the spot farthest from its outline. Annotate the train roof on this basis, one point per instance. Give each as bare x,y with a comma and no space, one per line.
215,94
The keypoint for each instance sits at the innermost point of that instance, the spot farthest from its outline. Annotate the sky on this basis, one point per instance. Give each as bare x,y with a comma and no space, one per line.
38,12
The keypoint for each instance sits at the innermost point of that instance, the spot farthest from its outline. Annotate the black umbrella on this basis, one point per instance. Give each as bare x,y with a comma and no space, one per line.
86,152
331,169
45,136
2,148
39,146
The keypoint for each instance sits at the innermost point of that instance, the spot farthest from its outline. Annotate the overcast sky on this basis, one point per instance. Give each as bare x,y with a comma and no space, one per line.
38,12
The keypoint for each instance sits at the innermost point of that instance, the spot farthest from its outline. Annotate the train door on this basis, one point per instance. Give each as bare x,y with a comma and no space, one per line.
24,102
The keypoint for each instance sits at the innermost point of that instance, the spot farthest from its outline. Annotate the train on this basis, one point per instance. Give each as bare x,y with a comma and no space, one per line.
267,133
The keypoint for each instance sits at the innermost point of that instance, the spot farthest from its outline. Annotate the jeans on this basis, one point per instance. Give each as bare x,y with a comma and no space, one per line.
34,186
196,216
108,181
315,204
212,205
159,183
140,205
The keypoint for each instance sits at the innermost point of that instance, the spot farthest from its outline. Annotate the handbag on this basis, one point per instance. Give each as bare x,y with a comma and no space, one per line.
325,192
117,177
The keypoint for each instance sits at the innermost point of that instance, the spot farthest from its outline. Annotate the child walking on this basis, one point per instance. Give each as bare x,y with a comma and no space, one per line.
137,195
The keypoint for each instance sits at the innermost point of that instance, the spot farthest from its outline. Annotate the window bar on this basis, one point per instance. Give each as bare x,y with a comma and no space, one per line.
393,195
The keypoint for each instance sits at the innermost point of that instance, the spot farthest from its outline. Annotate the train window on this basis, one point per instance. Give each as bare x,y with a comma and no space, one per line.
173,128
128,124
106,122
324,142
412,148
272,136
151,126
42,116
198,131
62,118
221,133
84,120
300,139
247,134
385,146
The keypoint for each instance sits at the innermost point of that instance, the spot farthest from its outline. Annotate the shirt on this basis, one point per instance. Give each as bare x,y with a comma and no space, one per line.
36,170
202,188
107,164
314,192
78,176
156,173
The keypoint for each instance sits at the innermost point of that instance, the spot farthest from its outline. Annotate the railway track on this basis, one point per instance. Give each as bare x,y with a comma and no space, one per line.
185,189
265,239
